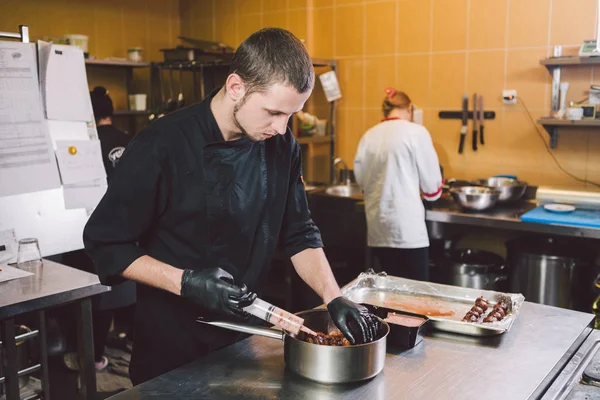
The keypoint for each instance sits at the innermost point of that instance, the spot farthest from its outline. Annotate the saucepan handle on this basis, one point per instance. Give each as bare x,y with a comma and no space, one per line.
251,330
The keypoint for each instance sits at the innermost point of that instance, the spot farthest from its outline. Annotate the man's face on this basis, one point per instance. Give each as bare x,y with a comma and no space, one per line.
262,115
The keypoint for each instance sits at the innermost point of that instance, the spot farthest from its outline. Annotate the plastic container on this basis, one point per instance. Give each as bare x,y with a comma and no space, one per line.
80,41
134,54
406,329
137,102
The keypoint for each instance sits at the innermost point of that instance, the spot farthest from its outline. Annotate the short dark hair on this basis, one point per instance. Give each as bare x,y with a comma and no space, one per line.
101,103
273,55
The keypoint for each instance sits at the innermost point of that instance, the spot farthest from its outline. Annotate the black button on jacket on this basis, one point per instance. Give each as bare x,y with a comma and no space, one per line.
183,195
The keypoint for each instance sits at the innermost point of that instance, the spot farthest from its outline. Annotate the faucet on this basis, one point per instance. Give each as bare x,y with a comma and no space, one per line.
337,161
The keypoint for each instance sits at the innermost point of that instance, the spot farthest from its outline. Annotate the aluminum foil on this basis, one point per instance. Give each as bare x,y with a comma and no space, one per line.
445,305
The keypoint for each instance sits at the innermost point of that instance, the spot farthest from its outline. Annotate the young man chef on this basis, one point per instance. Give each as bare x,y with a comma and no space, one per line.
199,201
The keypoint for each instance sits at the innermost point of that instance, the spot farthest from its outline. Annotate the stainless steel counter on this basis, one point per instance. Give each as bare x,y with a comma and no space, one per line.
501,217
517,365
52,284
504,217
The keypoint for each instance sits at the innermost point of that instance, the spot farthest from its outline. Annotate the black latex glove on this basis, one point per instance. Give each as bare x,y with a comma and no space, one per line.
356,322
214,290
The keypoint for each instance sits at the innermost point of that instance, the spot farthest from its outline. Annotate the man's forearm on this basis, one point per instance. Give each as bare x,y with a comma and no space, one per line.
152,272
314,269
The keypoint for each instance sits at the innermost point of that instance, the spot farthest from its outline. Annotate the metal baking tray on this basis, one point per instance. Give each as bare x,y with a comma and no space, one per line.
444,305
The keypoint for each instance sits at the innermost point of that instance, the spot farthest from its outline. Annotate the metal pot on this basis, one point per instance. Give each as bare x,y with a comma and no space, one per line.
510,189
475,269
550,271
324,364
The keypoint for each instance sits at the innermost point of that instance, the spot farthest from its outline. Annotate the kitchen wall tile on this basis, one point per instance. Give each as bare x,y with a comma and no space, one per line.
199,9
321,3
526,75
572,21
135,26
276,19
414,26
380,73
225,8
522,143
350,129
572,152
414,78
380,28
448,80
372,118
349,30
449,25
248,24
487,24
225,30
323,32
528,23
272,5
202,29
351,82
109,23
293,4
297,22
486,76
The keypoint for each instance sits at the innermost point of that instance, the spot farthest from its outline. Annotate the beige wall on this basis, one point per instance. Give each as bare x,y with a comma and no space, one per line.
436,50
111,25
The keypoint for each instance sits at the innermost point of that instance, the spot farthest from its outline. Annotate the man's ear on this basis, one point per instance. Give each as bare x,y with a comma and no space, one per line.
235,87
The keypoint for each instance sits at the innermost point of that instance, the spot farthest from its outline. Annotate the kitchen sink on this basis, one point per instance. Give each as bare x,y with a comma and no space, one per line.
344,191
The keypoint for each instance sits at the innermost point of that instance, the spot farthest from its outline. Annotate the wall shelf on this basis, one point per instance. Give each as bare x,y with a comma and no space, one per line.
569,61
116,63
554,66
552,125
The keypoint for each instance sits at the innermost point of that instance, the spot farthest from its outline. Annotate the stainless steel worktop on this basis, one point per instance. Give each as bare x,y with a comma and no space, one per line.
504,217
508,217
52,284
517,365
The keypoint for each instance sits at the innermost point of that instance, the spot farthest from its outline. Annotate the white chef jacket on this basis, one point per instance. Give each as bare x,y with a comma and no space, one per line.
395,159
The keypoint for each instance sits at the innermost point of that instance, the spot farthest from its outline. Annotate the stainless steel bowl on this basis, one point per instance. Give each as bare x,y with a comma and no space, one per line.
476,198
510,189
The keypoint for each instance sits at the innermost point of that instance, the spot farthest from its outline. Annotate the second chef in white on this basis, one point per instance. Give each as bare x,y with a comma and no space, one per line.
395,163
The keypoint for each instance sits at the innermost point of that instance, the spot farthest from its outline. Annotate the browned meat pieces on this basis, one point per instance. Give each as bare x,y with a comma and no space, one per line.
477,310
335,338
482,303
497,313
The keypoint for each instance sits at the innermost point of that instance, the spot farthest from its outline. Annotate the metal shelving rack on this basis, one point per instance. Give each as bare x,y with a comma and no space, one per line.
128,67
554,65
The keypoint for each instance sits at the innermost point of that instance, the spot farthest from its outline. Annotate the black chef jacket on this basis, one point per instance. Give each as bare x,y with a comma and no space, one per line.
188,198
113,143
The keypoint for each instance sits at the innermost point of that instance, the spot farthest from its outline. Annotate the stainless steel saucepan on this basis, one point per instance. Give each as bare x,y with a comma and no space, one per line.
320,363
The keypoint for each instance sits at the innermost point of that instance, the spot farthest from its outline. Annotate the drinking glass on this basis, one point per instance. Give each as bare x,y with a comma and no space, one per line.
29,252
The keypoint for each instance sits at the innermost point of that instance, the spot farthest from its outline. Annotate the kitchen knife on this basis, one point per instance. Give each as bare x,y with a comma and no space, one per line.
481,118
465,119
475,122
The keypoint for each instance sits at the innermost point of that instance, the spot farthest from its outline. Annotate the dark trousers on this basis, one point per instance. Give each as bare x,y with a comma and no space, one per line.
404,263
102,319
101,326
